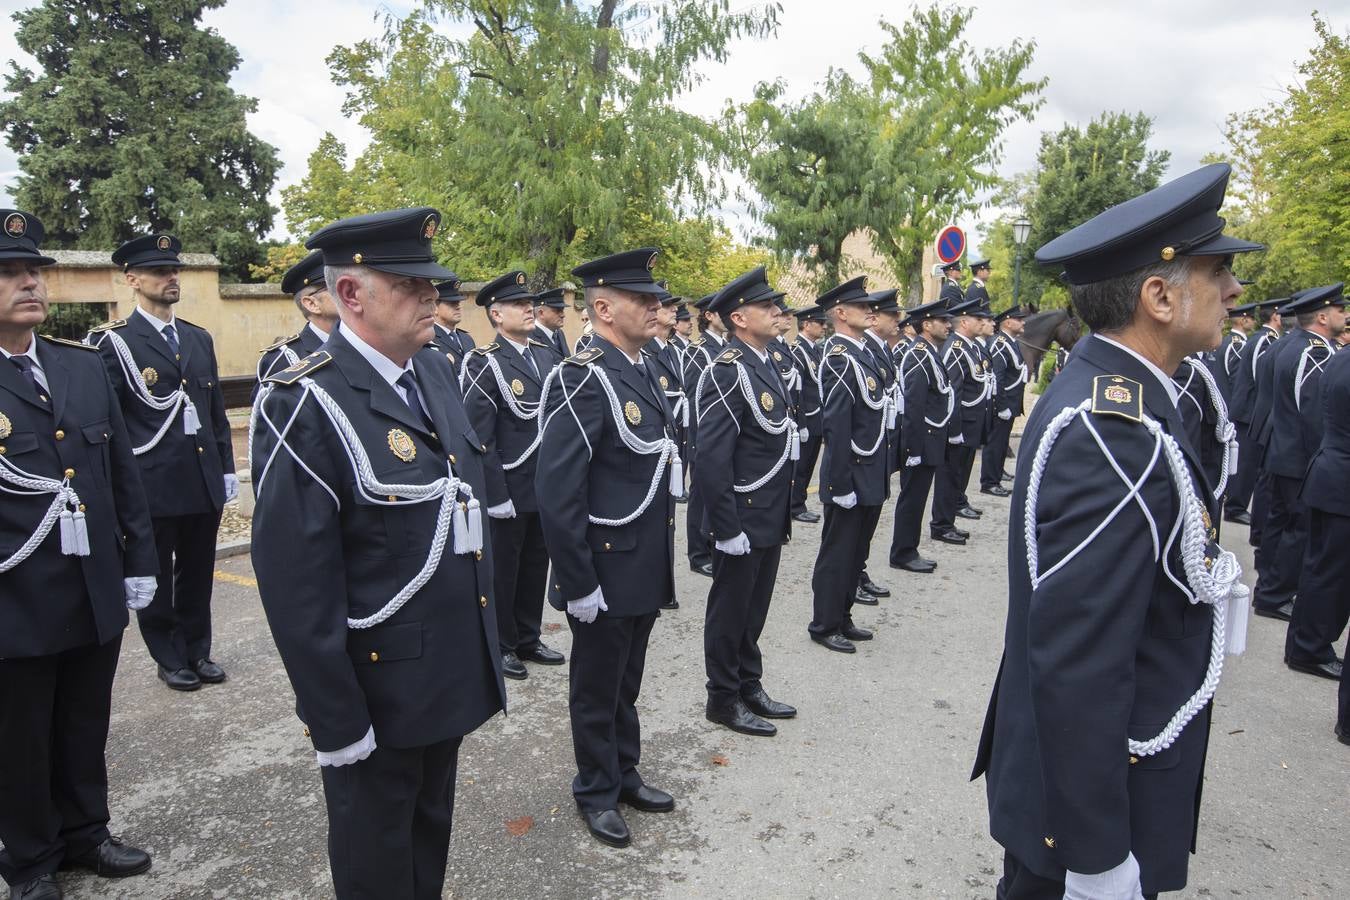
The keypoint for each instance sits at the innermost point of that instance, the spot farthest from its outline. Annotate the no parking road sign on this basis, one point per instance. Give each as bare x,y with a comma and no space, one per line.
950,244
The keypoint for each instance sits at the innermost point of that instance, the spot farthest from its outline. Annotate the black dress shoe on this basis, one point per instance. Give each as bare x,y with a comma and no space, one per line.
1331,669
648,799
608,827
672,603
1284,611
208,672
948,537
542,654
43,887
854,633
513,668
738,717
810,518
1007,477
997,490
918,565
836,642
110,859
1241,517
866,599
969,512
876,590
959,532
761,704
701,568
180,679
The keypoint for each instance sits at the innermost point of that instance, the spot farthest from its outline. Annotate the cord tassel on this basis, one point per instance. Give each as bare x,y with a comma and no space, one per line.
191,424
461,525
676,475
81,534
475,526
1236,621
68,541
796,452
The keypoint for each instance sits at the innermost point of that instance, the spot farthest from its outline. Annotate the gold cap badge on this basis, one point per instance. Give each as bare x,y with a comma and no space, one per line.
401,445
429,226
164,243
149,376
632,413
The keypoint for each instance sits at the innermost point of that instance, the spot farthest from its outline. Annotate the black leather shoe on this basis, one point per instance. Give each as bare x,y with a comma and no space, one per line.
866,599
918,565
854,633
672,603
513,668
180,679
948,537
648,799
876,590
542,654
764,706
1006,476
1284,611
810,518
208,672
836,642
1241,517
701,568
969,512
608,827
959,532
997,490
43,887
738,717
1330,669
110,859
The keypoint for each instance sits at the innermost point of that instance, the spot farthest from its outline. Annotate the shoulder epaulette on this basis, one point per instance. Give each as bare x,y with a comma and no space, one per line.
728,356
488,348
108,326
585,357
180,319
837,349
696,342
290,375
956,344
281,343
57,340
1116,395
537,343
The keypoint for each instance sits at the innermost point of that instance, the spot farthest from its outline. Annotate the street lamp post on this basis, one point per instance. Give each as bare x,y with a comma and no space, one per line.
1021,231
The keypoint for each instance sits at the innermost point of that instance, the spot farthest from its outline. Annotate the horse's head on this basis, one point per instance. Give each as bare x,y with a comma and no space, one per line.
1070,330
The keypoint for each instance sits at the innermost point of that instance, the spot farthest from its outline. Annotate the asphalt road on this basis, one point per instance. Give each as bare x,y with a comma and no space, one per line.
865,794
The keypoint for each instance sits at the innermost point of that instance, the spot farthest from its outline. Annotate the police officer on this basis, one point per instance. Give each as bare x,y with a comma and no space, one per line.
1093,778
449,338
710,343
164,371
304,282
748,443
969,378
1241,410
1224,362
1010,378
1204,415
880,340
666,360
950,291
550,313
980,270
608,466
79,550
502,384
684,327
370,558
854,482
927,416
808,350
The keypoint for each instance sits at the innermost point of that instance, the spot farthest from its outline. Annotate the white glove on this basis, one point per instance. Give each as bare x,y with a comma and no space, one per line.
140,591
587,608
231,486
737,546
348,755
505,510
1120,883
912,461
1005,414
803,435
959,439
848,501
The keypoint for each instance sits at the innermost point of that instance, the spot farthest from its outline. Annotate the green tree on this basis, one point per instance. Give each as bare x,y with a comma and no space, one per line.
130,126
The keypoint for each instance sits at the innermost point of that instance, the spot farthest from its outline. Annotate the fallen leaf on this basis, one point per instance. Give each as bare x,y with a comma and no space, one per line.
720,760
517,827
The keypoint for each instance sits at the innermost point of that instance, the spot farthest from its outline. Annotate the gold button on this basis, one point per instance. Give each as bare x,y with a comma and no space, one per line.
670,522
478,554
374,657
81,507
392,498
60,435
453,461
208,384
1050,842
306,731
434,437
749,501
607,547
70,473
2,449
184,382
1134,760
201,449
557,587
482,601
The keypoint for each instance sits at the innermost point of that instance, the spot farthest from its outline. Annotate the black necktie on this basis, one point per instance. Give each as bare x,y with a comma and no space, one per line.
529,358
171,336
558,343
25,367
408,381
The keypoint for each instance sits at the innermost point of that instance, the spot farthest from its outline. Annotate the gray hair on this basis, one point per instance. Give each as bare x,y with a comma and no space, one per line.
1107,306
308,290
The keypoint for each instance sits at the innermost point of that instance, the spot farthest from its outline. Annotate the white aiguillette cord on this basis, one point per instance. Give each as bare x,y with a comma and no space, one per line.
171,402
65,508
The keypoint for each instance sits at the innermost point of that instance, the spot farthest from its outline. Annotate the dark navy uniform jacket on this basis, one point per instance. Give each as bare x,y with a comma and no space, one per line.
849,424
977,291
735,451
507,436
1091,661
780,354
557,341
1225,362
323,553
698,357
1325,486
929,404
808,359
668,364
275,358
966,368
1009,368
1244,375
456,345
184,474
585,469
51,602
950,292
1200,417
1289,440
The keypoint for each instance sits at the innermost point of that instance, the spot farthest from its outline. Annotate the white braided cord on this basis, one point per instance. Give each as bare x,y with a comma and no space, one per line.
939,378
786,427
524,410
286,353
1225,432
136,382
1302,373
65,503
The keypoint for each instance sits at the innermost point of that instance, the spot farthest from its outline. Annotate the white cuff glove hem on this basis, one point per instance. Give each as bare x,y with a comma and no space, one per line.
1119,883
353,753
847,501
505,510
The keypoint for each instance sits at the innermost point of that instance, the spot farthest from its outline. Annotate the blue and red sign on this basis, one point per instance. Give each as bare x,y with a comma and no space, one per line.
950,244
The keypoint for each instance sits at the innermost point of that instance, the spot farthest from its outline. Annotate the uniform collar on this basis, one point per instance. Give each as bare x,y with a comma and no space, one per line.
159,324
316,331
31,352
852,340
385,367
1168,384
520,348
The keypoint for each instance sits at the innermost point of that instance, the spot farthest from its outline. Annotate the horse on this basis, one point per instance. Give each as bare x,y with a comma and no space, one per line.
1053,326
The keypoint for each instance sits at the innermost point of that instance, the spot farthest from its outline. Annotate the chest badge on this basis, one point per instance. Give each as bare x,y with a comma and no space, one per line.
778,357
632,413
766,401
517,387
665,382
401,445
871,383
6,427
451,357
149,376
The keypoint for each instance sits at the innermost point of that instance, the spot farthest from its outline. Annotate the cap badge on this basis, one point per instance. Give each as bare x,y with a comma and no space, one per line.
766,401
401,445
6,429
16,225
632,413
520,278
651,262
163,242
149,376
1118,393
517,387
429,226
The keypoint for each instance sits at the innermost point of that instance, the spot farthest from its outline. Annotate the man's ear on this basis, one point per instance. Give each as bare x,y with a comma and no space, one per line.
1159,301
347,293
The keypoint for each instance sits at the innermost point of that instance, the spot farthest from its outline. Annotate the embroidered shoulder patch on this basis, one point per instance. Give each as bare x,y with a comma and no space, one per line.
57,340
316,360
1115,395
488,348
281,343
728,356
837,349
585,357
696,342
108,326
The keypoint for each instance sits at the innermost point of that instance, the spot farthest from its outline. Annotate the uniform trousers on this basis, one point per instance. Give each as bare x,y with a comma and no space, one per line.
845,538
915,483
803,469
1261,501
605,675
520,576
1243,482
53,779
738,607
1343,713
176,625
389,819
1020,883
994,456
1323,605
950,486
700,545
1283,540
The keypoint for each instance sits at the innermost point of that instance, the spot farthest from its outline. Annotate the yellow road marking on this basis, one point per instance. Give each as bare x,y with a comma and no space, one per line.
235,579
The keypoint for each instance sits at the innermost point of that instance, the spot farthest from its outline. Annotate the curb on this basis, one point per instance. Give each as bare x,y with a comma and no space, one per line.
233,548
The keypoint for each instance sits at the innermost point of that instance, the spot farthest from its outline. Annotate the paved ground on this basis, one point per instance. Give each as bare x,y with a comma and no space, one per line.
864,795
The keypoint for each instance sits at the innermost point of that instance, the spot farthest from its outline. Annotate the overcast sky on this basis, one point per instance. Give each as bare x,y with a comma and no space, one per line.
1186,63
